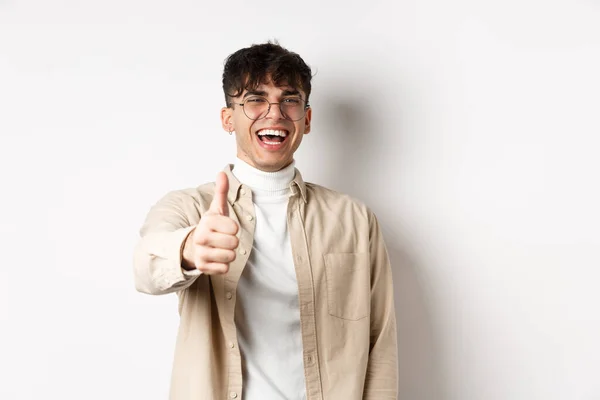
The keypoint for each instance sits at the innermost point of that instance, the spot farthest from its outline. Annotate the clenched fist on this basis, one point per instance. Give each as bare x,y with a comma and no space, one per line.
210,247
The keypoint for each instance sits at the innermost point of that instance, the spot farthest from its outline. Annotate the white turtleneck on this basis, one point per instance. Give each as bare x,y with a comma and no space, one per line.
267,314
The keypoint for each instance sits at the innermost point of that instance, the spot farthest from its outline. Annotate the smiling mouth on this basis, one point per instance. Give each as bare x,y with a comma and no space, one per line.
272,137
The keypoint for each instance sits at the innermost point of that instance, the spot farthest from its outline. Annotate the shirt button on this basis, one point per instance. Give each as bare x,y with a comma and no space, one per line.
229,295
243,251
231,345
309,359
233,395
299,258
249,217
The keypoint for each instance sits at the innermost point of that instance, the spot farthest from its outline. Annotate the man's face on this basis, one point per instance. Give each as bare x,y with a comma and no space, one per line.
274,151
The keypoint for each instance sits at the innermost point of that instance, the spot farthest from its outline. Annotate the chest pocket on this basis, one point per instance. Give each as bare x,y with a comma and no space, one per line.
348,285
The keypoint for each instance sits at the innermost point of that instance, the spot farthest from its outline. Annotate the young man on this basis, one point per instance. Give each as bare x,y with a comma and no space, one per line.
285,288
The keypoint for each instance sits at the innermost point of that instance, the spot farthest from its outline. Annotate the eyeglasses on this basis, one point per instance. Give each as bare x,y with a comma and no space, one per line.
257,107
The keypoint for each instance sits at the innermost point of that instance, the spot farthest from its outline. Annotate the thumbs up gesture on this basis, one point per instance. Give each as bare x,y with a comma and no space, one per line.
211,245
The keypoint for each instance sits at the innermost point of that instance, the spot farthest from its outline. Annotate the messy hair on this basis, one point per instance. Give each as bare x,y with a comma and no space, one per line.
252,66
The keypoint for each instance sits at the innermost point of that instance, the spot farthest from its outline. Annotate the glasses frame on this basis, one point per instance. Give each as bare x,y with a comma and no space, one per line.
306,107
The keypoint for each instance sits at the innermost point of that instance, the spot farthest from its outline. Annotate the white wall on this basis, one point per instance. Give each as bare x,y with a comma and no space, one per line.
470,128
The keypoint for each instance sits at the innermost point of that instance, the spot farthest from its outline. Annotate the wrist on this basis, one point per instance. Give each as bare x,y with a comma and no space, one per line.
187,252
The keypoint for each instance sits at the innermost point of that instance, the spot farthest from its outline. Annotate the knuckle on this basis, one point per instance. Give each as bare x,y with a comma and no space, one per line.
201,230
201,264
201,253
230,255
202,239
203,268
222,257
219,268
204,220
208,220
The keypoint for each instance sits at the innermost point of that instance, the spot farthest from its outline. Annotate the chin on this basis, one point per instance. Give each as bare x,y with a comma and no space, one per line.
272,166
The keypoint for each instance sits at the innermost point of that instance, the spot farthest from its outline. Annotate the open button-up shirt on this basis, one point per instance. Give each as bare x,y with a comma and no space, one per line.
345,293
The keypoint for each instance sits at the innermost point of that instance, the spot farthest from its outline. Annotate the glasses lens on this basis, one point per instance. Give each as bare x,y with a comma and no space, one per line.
257,107
293,108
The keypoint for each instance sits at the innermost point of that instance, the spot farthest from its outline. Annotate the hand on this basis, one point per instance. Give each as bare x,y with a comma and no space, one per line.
210,247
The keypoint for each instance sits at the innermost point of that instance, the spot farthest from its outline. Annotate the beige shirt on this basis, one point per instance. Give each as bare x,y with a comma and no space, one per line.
344,289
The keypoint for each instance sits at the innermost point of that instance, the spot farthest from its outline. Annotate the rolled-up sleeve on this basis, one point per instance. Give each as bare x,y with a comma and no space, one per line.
158,253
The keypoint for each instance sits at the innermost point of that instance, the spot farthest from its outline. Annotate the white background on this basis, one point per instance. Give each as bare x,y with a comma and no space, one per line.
471,128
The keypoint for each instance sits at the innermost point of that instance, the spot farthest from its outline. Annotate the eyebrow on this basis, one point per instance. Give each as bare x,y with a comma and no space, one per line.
255,93
288,92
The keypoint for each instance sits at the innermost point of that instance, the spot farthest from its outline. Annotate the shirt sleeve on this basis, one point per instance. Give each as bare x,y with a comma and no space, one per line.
382,369
158,253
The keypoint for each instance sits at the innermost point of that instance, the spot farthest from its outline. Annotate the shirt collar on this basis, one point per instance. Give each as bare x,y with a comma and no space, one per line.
298,182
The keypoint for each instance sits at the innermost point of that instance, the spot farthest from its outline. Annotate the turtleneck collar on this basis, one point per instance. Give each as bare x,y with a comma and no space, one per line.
262,182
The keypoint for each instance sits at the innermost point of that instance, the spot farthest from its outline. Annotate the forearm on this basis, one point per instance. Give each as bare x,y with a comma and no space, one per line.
157,263
158,255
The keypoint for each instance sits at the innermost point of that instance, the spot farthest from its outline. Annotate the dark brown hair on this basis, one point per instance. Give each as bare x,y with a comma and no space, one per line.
250,67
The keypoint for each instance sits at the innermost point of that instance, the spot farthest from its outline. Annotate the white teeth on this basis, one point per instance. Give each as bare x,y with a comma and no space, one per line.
272,133
272,143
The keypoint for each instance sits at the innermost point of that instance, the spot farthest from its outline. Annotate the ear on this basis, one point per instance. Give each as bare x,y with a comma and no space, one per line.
227,119
307,119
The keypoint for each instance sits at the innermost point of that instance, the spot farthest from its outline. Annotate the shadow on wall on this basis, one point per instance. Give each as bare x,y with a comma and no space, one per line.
359,164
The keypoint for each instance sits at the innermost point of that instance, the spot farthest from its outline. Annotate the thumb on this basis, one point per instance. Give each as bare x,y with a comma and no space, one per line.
219,202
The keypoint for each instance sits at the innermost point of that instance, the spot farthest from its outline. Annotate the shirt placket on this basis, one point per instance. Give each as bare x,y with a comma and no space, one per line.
243,213
306,297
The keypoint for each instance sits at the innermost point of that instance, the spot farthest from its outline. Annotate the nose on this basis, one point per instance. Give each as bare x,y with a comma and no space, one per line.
275,112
